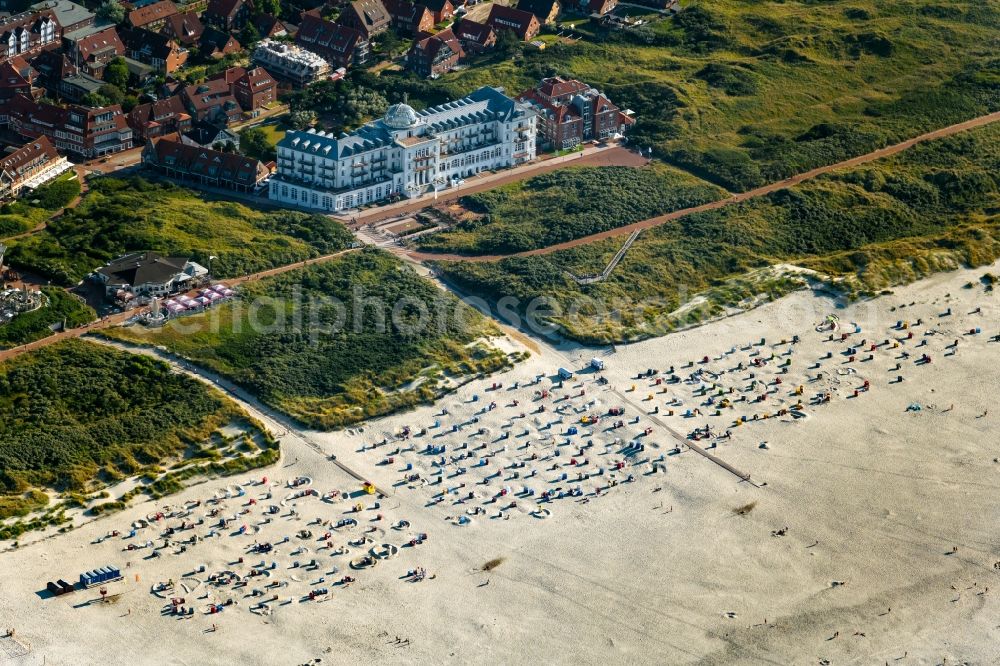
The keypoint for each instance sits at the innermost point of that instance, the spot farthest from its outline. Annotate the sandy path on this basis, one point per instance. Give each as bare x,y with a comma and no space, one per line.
715,205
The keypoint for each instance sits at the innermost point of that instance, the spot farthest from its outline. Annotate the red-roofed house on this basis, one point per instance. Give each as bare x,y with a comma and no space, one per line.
434,54
337,44
369,17
521,23
186,28
152,17
204,166
408,17
31,165
228,15
212,102
84,131
94,52
443,10
164,116
17,77
571,112
475,37
253,88
28,33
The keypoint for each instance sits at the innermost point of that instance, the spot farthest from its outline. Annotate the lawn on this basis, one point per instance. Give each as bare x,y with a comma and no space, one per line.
123,215
61,307
567,204
337,342
933,207
76,418
744,92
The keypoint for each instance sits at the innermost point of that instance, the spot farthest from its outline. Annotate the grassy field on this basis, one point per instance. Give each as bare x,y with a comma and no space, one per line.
77,418
568,204
744,92
61,307
123,215
933,207
316,344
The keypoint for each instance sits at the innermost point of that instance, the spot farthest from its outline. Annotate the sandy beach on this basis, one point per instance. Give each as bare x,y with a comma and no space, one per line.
850,518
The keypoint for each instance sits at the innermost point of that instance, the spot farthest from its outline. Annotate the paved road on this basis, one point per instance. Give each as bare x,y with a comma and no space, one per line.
736,198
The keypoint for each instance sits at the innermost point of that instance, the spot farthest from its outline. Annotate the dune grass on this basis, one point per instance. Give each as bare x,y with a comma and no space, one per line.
933,207
124,215
743,92
337,342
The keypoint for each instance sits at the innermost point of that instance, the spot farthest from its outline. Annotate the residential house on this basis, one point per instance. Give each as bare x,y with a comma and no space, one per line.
17,77
443,10
74,87
204,166
338,44
598,7
432,55
410,18
207,135
213,102
546,11
93,52
87,132
70,16
475,37
33,164
369,17
227,15
28,34
185,28
164,116
289,62
148,274
155,49
269,26
253,88
218,44
152,17
521,23
571,112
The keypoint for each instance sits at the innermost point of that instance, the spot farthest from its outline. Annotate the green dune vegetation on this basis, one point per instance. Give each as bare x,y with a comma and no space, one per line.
337,342
933,207
78,420
584,201
60,308
744,92
123,215
34,208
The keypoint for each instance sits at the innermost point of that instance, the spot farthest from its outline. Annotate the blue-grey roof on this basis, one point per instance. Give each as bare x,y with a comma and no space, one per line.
480,106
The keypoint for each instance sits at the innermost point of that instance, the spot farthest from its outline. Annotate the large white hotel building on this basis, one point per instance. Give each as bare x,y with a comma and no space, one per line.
405,154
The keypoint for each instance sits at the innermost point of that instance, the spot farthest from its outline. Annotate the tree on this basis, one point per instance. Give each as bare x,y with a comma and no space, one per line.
271,7
508,43
116,73
390,43
301,119
249,35
111,10
254,143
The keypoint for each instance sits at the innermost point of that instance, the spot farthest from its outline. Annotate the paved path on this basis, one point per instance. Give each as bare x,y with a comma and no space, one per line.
736,198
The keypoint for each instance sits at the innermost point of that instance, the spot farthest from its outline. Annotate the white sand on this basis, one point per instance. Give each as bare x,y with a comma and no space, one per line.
659,570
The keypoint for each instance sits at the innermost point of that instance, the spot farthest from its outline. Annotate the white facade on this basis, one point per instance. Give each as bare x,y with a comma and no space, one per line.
290,62
405,154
